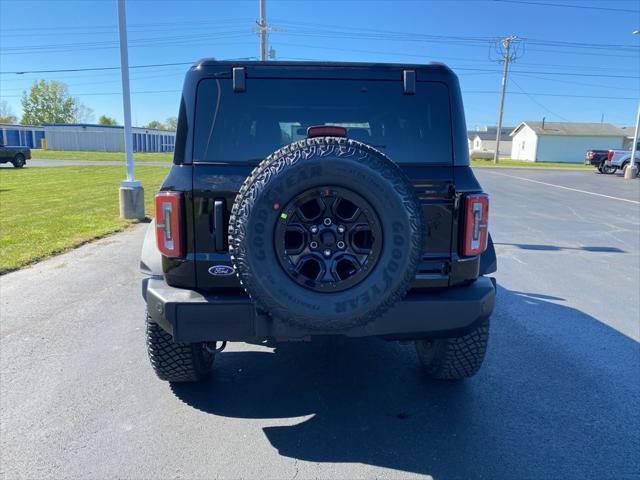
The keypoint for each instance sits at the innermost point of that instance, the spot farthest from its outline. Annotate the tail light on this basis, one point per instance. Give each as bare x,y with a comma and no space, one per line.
610,155
326,131
589,155
169,227
476,227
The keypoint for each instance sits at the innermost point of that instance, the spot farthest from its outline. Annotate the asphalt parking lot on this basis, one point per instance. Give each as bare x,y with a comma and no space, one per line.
558,396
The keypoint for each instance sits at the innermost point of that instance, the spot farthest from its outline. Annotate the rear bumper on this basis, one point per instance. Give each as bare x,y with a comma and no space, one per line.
192,317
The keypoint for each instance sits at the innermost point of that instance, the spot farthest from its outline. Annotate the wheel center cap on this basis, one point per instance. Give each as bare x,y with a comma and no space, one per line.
327,238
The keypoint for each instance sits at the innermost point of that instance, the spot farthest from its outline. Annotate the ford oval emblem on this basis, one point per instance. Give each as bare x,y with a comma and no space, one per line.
221,270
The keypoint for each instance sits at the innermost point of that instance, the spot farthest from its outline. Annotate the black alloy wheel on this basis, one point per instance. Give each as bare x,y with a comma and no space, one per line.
328,239
18,161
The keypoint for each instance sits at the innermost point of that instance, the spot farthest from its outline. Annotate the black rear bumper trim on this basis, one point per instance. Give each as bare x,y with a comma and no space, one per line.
192,317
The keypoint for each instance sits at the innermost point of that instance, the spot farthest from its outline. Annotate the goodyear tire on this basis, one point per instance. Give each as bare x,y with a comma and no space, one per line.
359,210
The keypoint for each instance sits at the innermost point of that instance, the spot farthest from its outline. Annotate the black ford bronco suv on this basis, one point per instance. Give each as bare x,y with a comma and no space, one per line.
313,199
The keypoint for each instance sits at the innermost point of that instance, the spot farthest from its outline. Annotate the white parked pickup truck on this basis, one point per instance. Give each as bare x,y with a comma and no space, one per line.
619,159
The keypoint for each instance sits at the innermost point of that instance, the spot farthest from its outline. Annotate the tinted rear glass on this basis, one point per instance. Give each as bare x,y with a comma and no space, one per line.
249,126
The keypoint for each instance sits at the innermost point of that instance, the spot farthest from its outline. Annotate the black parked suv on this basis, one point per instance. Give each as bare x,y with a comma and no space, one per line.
16,155
313,199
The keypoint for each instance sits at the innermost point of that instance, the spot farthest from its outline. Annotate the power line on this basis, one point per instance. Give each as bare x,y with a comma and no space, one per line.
316,29
570,82
106,94
545,94
424,57
133,26
95,69
538,103
581,7
555,73
324,31
464,92
106,45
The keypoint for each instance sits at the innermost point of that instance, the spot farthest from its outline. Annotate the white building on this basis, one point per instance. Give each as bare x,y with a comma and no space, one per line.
106,138
486,141
629,133
563,141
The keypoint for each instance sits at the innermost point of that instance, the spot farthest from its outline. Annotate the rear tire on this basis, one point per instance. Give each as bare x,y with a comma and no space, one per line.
18,161
454,358
176,362
608,170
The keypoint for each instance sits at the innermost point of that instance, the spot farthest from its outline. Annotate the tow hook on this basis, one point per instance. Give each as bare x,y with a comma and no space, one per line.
215,349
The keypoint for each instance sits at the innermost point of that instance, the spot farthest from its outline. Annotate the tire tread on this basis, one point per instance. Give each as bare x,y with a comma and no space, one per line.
175,362
455,358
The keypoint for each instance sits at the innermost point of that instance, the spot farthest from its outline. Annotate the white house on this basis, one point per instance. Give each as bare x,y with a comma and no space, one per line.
630,133
487,140
562,141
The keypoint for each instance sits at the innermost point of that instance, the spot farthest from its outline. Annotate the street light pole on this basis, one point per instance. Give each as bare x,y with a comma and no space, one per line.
131,192
632,170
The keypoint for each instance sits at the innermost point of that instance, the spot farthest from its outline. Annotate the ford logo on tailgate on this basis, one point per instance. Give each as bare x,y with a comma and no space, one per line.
221,270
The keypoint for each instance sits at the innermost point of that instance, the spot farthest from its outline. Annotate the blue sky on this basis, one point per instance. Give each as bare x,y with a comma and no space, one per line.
570,50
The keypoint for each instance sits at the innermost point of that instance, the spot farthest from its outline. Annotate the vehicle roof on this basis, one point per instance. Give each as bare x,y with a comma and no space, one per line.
436,66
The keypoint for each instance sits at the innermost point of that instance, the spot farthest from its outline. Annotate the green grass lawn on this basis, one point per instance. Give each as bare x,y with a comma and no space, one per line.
507,162
82,155
44,211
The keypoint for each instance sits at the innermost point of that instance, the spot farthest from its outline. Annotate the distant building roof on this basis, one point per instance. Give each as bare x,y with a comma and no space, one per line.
95,125
491,135
629,131
486,132
18,125
572,128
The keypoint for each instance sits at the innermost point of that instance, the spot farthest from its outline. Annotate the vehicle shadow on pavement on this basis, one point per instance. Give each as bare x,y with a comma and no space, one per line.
557,397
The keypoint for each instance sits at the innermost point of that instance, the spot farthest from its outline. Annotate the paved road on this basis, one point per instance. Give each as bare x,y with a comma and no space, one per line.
35,162
558,397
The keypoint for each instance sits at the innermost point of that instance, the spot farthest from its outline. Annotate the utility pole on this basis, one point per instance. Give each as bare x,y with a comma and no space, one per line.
263,30
507,57
131,192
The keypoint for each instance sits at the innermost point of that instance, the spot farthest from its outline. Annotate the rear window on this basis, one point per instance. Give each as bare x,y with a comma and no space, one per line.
248,126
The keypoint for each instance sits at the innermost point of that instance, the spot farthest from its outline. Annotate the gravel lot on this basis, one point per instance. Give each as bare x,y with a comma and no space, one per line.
558,397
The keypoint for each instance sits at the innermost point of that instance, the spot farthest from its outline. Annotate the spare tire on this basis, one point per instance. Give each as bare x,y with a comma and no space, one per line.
326,233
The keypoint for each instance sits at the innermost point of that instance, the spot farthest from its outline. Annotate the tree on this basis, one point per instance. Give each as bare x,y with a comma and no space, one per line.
48,102
104,120
84,114
171,123
6,113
